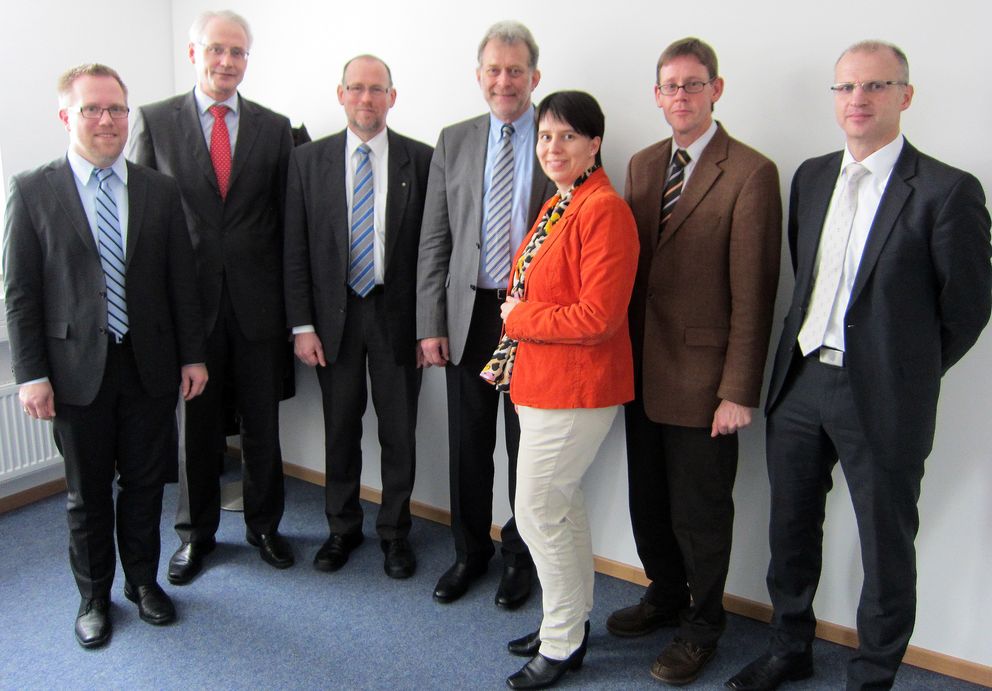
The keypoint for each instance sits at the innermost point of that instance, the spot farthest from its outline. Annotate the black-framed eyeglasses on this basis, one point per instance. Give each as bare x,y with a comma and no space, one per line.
876,86
217,51
96,112
692,87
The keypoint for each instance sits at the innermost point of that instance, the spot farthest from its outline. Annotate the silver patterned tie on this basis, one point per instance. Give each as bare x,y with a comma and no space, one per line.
497,249
833,250
361,269
111,244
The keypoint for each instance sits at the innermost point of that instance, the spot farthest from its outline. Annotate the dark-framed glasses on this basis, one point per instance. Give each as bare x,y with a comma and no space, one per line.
91,112
875,86
692,87
217,50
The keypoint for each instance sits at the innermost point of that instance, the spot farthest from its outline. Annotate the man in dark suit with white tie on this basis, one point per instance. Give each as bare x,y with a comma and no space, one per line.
709,217
473,222
105,330
890,248
229,156
354,204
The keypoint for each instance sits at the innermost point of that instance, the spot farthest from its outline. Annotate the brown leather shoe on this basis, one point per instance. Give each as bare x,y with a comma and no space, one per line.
680,662
641,619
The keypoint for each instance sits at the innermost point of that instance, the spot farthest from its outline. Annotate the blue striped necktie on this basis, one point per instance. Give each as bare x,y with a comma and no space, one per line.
361,268
111,245
497,248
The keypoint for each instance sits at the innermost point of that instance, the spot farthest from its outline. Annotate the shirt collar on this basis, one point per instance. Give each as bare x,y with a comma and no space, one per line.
83,169
695,150
203,102
379,143
521,126
880,163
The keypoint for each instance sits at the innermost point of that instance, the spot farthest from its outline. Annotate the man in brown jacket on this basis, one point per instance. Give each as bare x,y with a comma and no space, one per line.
709,217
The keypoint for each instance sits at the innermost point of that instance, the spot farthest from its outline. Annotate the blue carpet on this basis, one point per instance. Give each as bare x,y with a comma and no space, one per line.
244,625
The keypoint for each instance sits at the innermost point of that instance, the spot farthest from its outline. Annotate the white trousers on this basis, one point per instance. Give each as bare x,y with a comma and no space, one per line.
556,449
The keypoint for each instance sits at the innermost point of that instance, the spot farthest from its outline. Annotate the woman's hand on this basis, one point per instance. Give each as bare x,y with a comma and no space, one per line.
507,307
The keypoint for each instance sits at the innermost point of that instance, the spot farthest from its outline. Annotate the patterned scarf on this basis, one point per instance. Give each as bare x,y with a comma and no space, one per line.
497,371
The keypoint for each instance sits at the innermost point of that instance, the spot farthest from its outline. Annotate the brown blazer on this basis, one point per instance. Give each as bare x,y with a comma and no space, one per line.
704,295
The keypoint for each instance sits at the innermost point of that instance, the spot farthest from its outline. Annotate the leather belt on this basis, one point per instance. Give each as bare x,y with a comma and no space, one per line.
830,356
498,293
375,291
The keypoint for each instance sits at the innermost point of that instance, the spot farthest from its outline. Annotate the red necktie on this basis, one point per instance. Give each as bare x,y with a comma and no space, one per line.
220,148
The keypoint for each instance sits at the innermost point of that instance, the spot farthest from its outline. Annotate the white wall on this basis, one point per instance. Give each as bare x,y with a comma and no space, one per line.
777,59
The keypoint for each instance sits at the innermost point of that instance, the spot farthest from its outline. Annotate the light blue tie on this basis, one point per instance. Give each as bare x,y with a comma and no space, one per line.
361,268
497,249
111,245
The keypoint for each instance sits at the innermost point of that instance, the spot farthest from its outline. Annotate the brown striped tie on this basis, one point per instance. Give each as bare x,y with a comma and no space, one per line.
673,188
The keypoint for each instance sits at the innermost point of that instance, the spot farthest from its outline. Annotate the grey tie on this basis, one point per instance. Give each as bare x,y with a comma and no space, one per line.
830,266
497,249
111,245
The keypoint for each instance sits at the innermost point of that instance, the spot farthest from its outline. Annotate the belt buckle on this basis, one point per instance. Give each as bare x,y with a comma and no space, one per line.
831,356
501,294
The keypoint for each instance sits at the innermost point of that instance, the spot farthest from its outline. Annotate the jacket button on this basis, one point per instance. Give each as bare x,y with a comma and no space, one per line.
102,331
472,287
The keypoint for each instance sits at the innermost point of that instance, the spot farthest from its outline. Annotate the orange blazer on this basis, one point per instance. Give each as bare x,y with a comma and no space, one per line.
574,344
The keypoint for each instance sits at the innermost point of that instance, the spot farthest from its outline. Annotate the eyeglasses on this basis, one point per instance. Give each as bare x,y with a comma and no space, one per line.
872,87
360,89
216,50
693,87
96,112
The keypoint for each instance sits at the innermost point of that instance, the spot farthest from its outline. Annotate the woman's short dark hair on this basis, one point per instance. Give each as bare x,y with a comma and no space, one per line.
579,110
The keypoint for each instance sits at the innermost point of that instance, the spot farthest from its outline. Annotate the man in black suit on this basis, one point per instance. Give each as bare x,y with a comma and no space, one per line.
229,156
105,327
893,285
353,209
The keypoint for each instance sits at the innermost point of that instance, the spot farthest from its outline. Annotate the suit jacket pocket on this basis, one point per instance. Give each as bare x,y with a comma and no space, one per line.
58,330
706,336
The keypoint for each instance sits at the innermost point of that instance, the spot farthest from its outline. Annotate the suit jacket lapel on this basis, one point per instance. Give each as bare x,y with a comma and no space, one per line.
189,127
476,147
332,199
247,134
812,216
397,194
897,191
137,190
705,173
60,177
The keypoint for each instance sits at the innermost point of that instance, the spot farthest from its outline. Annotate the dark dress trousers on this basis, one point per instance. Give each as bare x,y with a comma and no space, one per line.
238,245
921,296
113,403
700,319
449,304
377,331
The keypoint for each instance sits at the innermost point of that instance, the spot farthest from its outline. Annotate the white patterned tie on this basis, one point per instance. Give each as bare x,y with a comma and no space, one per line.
497,249
833,250
361,269
111,244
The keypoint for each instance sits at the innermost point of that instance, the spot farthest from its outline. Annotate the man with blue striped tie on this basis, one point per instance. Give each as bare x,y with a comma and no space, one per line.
354,203
105,331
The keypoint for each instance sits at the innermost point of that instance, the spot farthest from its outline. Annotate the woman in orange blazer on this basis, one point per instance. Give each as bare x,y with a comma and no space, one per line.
566,359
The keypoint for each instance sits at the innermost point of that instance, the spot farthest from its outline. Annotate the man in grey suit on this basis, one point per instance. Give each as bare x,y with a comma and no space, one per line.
229,156
105,329
480,204
890,249
354,204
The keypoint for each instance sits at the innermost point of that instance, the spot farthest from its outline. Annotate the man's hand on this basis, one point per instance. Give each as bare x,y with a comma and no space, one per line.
730,417
194,380
308,349
435,350
38,400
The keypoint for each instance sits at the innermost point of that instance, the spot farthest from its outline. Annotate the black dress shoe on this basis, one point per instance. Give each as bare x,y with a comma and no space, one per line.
93,627
455,581
188,560
154,606
400,561
642,618
273,548
769,671
681,661
542,672
333,554
530,645
514,586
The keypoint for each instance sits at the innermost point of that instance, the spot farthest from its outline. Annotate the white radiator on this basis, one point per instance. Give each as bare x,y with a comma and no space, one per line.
26,444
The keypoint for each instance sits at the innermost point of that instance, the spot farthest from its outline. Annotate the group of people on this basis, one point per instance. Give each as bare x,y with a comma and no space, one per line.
504,255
